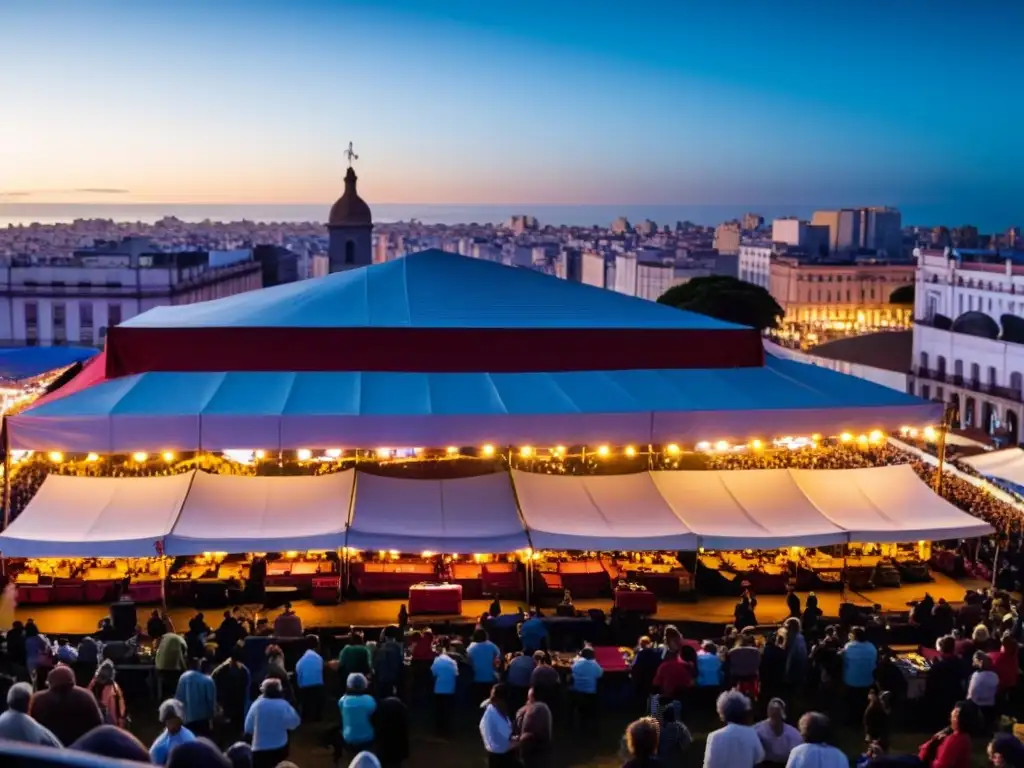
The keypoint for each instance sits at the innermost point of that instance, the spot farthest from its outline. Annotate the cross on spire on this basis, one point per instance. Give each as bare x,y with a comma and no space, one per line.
350,154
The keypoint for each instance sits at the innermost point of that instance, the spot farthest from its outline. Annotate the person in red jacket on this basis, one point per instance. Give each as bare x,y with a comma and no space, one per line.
951,747
1006,664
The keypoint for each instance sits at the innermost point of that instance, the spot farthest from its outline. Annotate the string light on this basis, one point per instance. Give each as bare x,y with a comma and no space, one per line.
862,439
56,457
672,449
140,457
92,457
603,451
722,445
334,453
930,434
876,436
559,450
846,437
383,453
630,451
703,445
168,456
304,454
260,455
451,450
526,451
488,450
757,445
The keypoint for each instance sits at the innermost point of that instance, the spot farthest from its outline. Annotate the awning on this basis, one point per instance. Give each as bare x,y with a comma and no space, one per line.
97,517
287,411
747,509
470,515
599,513
1006,465
886,505
231,513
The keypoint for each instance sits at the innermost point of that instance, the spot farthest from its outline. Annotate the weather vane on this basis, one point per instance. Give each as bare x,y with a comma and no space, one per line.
350,154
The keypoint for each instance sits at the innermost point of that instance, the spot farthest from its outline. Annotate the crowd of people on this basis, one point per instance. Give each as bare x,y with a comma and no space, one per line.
776,693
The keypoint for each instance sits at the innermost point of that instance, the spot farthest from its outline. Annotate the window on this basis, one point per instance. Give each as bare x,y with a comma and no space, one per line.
975,373
85,323
992,375
924,360
1016,382
941,365
958,368
113,315
926,392
31,323
60,328
350,252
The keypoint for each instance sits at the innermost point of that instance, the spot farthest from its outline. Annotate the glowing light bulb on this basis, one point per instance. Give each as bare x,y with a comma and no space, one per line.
722,445
333,453
168,456
757,445
876,436
862,439
56,457
451,450
304,454
488,450
559,450
92,457
603,451
140,456
260,454
383,453
703,445
846,437
630,451
672,449
526,451
930,434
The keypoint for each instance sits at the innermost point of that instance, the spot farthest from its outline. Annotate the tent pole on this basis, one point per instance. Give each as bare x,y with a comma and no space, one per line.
995,566
947,422
529,578
7,473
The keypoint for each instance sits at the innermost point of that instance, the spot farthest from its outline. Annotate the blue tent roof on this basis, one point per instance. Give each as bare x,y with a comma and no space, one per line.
27,362
430,289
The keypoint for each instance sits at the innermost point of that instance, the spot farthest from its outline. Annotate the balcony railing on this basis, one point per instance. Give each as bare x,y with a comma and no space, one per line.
975,385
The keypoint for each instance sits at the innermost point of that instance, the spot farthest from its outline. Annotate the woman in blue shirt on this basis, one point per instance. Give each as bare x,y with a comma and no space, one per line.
357,708
269,720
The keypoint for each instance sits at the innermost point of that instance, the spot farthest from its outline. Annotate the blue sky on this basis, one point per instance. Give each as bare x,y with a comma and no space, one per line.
563,101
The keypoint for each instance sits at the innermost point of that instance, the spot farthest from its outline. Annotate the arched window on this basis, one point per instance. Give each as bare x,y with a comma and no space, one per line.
350,252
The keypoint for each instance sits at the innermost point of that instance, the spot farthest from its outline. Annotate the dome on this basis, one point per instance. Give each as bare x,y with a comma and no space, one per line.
350,210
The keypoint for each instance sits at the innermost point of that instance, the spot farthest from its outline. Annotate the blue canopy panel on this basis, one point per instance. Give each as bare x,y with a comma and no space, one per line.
416,292
274,410
28,362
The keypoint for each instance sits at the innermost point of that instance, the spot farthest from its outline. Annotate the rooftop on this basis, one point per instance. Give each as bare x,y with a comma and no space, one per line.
888,350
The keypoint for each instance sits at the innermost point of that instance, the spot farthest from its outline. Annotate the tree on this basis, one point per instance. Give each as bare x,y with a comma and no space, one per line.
902,295
728,299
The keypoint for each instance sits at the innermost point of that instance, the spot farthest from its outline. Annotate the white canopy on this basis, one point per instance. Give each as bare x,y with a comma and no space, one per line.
97,517
230,513
475,514
885,505
1006,465
599,513
747,509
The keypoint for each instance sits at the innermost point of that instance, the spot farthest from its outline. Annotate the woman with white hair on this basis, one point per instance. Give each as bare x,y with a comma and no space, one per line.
17,725
172,717
357,707
270,719
735,745
777,736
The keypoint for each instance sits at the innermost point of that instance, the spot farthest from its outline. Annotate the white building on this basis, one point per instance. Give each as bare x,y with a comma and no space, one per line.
76,301
646,279
592,269
755,263
727,237
965,302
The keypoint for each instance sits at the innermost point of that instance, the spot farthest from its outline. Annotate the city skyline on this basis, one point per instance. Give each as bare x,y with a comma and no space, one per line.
455,103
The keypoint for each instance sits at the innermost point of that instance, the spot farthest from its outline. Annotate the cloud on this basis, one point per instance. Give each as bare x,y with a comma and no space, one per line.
6,194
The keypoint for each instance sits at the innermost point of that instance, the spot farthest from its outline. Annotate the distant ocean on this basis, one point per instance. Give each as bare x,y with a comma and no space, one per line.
986,218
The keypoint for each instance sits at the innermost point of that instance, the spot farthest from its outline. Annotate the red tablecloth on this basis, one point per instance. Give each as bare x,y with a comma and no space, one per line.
145,592
610,658
34,594
69,592
326,589
641,602
100,591
436,598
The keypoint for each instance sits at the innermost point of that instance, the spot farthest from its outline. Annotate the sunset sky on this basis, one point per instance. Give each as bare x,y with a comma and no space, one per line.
572,101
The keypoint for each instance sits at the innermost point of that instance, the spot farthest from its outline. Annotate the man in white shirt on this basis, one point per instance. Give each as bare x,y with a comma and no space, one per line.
445,670
736,745
496,730
815,752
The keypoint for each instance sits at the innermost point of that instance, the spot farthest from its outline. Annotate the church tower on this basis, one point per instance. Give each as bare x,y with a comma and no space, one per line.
350,226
